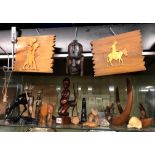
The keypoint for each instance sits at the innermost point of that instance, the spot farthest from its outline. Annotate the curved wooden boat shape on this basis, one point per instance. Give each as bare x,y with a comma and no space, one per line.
124,116
147,122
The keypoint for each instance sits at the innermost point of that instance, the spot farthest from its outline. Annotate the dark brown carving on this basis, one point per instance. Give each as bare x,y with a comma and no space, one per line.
147,122
75,59
109,112
124,116
120,109
144,118
73,103
62,111
142,111
65,103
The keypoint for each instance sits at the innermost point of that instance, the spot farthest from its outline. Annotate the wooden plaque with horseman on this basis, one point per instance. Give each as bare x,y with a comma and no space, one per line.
118,54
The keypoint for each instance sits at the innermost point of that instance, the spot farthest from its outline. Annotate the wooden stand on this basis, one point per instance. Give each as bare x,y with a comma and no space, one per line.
63,120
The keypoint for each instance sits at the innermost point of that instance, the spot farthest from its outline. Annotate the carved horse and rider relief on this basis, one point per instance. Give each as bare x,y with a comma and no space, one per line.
116,54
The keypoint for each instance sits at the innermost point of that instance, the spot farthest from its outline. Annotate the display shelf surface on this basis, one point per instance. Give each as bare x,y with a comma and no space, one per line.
5,127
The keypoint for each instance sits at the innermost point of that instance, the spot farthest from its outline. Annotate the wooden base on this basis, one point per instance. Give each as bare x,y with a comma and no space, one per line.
63,120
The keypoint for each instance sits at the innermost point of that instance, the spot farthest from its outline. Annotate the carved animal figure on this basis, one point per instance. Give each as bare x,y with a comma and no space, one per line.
116,55
21,100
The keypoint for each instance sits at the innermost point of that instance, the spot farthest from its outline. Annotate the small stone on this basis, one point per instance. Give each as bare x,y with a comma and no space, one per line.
104,122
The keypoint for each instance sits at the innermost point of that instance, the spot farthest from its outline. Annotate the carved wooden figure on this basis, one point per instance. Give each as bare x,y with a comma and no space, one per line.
73,103
43,114
75,59
38,106
142,111
50,109
23,99
62,111
146,121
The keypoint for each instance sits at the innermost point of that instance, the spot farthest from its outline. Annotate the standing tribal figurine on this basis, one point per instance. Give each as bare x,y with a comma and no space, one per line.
38,106
62,111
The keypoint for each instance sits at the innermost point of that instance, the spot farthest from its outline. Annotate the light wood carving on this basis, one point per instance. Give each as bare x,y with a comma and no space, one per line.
30,62
124,116
35,54
118,54
43,114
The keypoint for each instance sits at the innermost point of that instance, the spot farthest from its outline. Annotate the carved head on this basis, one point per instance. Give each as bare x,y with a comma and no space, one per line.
66,83
36,45
28,88
75,49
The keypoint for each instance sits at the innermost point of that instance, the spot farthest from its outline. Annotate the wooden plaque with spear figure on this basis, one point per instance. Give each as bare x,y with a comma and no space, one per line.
35,54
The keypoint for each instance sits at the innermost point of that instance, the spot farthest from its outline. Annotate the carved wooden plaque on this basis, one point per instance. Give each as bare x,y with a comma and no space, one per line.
118,54
35,54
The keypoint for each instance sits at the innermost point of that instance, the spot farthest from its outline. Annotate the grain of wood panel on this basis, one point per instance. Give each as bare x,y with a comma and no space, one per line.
134,60
43,55
120,69
131,41
101,58
125,40
119,37
128,47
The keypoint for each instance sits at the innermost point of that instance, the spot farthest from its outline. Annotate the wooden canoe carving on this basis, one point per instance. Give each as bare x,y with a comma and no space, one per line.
124,116
118,54
35,54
